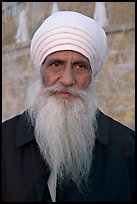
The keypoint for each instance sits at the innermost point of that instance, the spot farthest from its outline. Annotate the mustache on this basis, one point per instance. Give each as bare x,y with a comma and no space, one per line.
49,91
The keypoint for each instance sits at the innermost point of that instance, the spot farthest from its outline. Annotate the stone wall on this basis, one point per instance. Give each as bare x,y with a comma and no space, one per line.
115,84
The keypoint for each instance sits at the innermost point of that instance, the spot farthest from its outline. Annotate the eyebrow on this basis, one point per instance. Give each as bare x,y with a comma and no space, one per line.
50,61
81,62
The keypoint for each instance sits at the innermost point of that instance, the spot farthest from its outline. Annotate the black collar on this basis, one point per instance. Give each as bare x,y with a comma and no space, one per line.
25,132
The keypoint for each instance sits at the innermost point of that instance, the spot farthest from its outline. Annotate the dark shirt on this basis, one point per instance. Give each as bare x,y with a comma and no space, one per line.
25,174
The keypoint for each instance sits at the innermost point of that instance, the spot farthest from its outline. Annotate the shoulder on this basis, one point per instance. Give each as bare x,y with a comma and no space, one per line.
120,130
119,134
10,123
9,127
115,127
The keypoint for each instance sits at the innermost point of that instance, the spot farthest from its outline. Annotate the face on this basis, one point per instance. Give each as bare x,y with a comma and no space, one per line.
63,112
66,68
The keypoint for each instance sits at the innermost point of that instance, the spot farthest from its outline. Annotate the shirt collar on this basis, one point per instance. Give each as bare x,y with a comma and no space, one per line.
102,127
25,132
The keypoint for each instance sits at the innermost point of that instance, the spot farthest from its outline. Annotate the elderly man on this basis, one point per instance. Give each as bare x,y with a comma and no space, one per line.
62,148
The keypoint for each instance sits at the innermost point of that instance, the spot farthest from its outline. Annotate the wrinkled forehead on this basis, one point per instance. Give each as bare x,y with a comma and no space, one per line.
67,55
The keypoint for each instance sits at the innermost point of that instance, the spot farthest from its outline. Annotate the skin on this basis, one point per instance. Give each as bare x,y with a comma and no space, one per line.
66,68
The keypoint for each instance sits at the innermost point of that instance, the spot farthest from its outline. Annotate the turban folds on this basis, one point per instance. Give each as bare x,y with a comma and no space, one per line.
69,30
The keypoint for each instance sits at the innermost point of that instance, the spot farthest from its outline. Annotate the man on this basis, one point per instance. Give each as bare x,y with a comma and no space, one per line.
62,148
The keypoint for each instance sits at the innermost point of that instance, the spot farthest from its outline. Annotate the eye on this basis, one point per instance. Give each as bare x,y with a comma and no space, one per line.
54,64
81,66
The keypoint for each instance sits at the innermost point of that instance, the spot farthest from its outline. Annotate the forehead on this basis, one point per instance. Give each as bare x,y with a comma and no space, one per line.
67,54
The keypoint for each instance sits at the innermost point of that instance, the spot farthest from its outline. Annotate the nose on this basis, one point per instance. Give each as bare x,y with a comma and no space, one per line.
67,78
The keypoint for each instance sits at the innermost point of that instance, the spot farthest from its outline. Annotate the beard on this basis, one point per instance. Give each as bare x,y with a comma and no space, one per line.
64,129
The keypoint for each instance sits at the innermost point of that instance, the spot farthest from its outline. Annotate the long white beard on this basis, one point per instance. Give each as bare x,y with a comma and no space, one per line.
64,130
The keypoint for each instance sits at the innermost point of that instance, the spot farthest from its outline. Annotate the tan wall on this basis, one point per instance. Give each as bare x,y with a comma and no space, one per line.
115,84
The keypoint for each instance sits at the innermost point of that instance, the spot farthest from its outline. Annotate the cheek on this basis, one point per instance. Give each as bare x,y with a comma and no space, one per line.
83,81
46,80
49,79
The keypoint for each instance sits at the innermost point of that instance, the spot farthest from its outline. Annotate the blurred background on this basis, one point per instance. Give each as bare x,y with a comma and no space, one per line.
115,84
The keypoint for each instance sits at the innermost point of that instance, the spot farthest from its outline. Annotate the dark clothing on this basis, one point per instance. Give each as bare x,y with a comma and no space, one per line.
25,174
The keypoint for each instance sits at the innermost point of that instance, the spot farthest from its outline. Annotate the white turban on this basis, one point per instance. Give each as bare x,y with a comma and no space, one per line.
69,30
